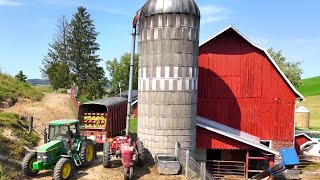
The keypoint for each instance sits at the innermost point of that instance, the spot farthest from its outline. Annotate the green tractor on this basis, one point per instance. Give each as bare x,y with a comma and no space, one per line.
64,149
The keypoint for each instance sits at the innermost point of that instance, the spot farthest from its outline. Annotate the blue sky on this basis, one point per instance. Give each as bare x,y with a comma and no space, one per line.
27,26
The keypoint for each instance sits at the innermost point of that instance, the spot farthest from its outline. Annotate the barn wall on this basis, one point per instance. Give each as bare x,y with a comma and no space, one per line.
239,87
210,140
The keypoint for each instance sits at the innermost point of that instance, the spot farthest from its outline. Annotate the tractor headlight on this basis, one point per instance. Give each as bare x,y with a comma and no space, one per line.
42,157
45,158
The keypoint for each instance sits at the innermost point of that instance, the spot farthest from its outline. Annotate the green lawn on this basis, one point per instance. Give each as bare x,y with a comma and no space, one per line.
313,104
310,87
44,88
133,125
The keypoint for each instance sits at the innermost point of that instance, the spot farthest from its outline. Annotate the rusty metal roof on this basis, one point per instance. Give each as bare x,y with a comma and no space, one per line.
152,7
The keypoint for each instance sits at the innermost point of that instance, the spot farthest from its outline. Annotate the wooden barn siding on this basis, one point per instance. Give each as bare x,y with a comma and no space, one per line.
239,87
218,141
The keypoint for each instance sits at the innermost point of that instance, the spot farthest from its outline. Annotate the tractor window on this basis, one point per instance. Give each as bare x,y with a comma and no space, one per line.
58,132
73,130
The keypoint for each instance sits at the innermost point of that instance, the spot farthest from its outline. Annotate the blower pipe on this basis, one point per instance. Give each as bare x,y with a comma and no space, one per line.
134,34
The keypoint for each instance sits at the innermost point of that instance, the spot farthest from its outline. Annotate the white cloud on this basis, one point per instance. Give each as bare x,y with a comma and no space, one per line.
213,13
10,3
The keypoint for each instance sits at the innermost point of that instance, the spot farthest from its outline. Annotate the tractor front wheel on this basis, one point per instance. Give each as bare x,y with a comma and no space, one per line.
106,155
128,173
27,162
87,152
141,153
64,169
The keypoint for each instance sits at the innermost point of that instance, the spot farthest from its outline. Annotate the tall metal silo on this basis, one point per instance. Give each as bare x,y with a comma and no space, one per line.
168,74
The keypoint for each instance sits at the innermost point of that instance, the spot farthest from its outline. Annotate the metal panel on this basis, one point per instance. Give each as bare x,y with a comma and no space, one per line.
152,7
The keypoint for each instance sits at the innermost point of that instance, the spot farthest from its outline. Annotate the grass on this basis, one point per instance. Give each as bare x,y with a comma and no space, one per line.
310,86
44,88
12,88
313,104
18,128
133,125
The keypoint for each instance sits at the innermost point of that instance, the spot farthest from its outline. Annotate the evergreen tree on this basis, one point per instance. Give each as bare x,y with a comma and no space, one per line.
55,67
21,77
83,60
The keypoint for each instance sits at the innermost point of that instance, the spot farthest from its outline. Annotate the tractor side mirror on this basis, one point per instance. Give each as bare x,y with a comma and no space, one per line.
45,135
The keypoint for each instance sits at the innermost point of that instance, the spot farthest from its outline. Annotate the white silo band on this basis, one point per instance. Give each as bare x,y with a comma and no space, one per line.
154,84
144,72
167,72
158,72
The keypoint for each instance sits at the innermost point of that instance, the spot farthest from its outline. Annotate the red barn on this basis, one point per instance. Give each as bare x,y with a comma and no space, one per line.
246,96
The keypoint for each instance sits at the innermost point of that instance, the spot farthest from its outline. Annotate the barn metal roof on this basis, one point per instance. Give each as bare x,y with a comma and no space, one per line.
233,134
300,96
108,102
152,7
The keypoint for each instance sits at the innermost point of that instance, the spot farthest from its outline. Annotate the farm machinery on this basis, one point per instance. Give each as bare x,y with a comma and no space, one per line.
105,118
64,149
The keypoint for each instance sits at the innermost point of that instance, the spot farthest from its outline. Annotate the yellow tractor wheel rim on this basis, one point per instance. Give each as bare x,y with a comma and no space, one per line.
31,165
66,170
89,155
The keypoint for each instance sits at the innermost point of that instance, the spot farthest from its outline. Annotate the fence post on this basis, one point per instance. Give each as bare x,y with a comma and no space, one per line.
176,149
187,164
31,124
203,171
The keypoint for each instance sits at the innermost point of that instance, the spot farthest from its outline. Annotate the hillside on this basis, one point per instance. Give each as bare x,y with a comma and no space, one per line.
11,89
313,104
38,82
14,139
310,87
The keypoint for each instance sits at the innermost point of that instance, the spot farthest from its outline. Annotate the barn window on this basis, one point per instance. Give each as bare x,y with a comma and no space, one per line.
267,143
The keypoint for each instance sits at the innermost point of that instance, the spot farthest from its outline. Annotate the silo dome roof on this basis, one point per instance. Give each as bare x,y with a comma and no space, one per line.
152,7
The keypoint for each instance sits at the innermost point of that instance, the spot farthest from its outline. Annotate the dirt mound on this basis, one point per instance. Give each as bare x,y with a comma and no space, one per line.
52,107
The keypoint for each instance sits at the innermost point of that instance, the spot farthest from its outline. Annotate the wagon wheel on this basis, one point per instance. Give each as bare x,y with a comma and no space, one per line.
106,155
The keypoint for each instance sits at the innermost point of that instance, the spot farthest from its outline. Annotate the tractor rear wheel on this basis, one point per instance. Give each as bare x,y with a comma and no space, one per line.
106,155
64,169
87,152
141,153
27,162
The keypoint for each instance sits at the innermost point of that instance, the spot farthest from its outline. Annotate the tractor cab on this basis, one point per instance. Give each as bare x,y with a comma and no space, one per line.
64,149
63,130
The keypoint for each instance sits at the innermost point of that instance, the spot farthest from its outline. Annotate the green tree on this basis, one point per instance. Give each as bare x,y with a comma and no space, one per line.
119,73
55,63
21,77
83,60
291,69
